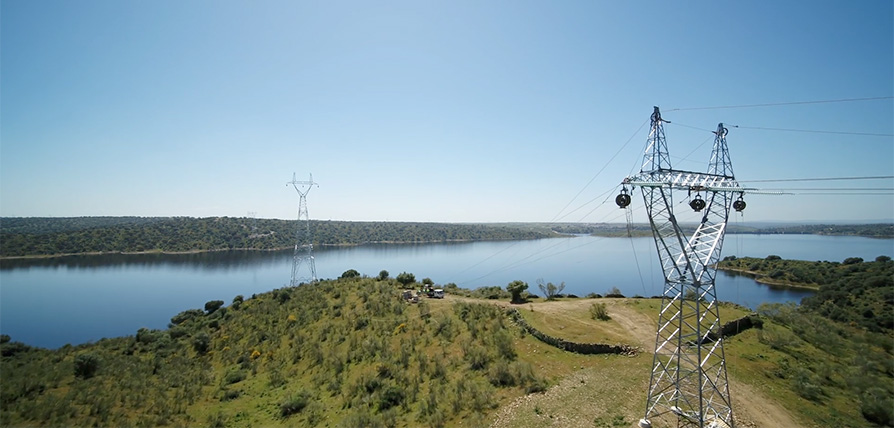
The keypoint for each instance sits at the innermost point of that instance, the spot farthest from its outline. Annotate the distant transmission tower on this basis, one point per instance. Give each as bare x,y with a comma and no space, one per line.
688,386
304,247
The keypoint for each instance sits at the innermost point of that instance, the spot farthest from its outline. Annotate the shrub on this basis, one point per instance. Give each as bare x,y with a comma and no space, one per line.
146,336
598,311
537,385
877,406
86,365
186,315
294,404
234,376
213,305
476,356
282,296
773,257
614,293
406,279
350,273
391,396
201,342
502,341
230,395
489,292
383,275
4,338
499,375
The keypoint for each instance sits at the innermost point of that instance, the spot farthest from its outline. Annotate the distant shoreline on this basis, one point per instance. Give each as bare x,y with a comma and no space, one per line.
764,280
218,250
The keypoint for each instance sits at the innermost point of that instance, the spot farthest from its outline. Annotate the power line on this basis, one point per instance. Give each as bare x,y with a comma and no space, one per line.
865,134
818,189
842,194
597,173
842,100
780,180
812,131
559,215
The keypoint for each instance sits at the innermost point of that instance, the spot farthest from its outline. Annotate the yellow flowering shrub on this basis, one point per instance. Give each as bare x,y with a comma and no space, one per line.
400,329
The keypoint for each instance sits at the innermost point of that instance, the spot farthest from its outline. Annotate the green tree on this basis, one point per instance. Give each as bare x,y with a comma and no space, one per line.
406,279
213,305
86,365
550,290
186,315
516,288
383,275
350,273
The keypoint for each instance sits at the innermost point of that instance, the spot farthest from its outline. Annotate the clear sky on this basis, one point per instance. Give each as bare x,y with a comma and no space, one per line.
459,111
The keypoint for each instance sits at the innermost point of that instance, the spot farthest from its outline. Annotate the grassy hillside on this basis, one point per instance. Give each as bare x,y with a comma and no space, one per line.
339,353
351,352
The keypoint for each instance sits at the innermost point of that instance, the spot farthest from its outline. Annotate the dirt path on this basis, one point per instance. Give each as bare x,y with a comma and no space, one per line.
752,408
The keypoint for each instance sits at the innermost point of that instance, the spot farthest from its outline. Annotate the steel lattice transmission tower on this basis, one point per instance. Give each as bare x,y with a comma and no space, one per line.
304,247
688,386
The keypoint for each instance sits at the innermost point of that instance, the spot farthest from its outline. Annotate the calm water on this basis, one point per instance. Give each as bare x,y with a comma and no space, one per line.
78,299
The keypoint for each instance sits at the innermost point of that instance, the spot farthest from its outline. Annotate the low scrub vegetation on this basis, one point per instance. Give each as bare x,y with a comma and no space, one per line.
598,311
346,351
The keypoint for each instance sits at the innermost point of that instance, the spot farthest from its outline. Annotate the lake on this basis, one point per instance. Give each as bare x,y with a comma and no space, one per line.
77,299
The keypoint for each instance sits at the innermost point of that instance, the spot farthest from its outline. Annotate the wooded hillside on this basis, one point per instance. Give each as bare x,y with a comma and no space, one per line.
49,236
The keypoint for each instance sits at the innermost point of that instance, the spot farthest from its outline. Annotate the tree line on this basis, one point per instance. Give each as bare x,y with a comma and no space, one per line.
49,236
838,344
852,291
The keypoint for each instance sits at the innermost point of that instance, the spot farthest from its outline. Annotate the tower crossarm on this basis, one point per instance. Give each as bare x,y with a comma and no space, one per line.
686,180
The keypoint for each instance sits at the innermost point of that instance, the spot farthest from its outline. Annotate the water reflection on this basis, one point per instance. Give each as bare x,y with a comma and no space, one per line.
215,260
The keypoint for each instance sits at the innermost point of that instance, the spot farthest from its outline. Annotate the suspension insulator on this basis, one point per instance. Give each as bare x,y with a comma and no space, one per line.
739,205
697,204
623,200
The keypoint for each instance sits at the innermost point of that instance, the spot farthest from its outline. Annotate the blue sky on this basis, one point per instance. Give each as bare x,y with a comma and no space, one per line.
461,111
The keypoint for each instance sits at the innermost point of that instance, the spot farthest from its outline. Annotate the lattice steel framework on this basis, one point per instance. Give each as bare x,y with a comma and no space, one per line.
304,247
688,386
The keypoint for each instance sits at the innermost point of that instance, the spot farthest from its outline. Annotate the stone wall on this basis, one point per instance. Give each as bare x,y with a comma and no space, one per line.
731,328
578,348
